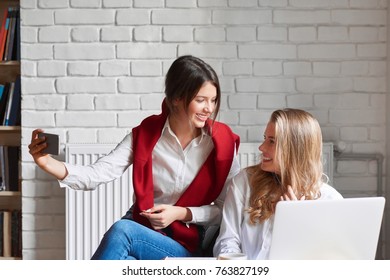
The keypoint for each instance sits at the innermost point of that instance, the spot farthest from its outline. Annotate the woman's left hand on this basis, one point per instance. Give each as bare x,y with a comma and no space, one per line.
163,215
290,195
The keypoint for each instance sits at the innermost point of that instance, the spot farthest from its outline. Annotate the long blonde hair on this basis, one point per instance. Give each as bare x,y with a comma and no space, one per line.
298,150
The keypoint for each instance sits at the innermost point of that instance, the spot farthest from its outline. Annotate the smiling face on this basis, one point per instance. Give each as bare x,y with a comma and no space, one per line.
269,161
202,106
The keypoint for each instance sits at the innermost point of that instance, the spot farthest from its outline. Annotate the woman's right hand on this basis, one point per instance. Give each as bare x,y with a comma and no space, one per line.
35,149
45,161
290,195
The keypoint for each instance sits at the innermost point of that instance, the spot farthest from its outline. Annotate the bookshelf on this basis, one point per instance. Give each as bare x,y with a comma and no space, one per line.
10,136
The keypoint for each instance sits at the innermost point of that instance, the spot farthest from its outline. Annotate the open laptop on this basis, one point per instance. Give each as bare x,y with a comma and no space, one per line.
327,229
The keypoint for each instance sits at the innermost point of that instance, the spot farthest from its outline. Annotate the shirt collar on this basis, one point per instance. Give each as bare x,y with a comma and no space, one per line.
168,131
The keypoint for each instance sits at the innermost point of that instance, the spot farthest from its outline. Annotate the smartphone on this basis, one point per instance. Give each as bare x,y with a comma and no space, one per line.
53,143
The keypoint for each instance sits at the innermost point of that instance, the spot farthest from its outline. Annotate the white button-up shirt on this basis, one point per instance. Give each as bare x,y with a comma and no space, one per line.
173,171
237,235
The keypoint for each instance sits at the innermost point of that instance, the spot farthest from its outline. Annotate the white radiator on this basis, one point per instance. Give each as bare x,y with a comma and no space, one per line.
90,213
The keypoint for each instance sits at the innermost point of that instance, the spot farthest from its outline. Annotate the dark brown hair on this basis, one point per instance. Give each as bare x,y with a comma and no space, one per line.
184,79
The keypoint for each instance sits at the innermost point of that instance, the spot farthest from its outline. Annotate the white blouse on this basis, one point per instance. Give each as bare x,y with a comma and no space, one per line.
173,171
237,235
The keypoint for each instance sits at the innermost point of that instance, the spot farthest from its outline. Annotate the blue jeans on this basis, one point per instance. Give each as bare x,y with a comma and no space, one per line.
128,240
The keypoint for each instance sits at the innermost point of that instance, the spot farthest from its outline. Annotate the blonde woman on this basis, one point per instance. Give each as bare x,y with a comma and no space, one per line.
290,169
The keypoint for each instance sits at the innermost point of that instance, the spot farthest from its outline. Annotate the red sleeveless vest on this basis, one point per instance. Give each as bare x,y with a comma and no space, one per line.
203,190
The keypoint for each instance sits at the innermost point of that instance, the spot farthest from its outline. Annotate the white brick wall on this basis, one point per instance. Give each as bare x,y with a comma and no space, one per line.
93,69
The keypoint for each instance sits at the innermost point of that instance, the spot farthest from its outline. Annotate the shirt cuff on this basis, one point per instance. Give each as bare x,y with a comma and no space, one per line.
72,180
197,215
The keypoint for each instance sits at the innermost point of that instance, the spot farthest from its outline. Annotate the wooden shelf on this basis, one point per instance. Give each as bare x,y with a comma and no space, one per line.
10,200
10,64
10,135
7,3
9,129
9,194
9,70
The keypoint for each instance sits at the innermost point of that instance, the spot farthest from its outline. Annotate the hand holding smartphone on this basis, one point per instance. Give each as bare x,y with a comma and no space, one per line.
53,143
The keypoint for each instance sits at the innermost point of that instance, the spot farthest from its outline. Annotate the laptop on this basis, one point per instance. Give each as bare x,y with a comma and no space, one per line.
327,229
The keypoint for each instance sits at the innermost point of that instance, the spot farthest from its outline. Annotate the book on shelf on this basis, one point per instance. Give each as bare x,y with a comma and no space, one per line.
10,104
7,234
1,233
11,238
1,95
10,33
17,39
3,101
3,32
7,112
2,170
8,38
13,113
9,164
10,44
16,233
